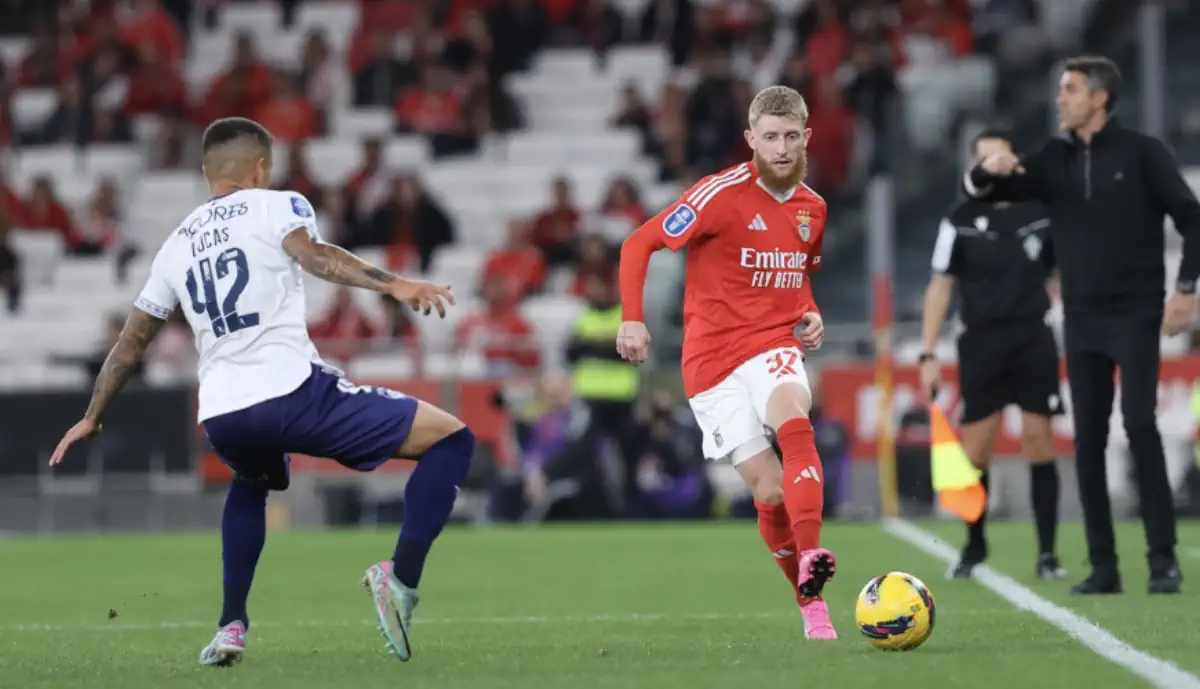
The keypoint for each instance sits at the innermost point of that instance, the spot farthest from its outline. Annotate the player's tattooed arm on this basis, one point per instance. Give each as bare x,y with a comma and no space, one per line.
140,330
335,264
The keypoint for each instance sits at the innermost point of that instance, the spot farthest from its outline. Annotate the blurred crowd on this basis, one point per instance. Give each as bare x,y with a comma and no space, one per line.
441,65
574,463
591,435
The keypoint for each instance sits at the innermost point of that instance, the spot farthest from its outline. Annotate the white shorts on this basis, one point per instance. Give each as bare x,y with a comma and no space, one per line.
733,414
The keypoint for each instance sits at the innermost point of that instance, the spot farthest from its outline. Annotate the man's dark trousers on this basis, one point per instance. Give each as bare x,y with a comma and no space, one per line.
1097,347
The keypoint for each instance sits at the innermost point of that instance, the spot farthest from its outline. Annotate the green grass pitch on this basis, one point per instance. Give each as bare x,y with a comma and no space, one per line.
660,607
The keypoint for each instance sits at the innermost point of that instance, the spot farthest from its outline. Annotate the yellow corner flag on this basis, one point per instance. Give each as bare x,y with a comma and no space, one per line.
955,479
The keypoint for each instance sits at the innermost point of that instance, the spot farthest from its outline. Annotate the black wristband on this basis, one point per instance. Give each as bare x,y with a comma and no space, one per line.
926,356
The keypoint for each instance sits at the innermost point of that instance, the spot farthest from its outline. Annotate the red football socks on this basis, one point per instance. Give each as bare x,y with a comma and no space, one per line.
776,530
803,482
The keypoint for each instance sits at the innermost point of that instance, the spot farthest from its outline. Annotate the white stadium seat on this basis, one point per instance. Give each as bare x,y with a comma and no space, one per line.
262,20
41,252
332,161
553,317
32,107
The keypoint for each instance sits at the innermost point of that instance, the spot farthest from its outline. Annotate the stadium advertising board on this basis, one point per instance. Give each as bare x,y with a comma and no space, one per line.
850,395
145,430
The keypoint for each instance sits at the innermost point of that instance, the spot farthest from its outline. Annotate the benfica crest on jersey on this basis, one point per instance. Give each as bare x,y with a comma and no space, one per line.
804,222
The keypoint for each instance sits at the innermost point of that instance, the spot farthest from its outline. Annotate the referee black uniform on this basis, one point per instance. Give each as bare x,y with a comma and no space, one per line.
1001,256
1108,195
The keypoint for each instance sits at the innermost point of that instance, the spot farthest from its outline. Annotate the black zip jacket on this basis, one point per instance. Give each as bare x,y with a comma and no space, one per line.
1107,202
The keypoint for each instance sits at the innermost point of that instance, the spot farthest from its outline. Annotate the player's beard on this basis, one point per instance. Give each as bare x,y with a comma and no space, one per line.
777,182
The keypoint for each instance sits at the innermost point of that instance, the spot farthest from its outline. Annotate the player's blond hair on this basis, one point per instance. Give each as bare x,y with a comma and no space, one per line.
780,101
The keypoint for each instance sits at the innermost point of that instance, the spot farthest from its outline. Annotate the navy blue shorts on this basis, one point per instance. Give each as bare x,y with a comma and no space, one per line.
359,427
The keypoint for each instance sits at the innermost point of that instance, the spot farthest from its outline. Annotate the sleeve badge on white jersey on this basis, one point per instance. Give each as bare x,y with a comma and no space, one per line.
679,220
301,208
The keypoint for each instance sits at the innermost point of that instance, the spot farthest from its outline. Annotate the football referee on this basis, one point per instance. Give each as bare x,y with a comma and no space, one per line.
999,256
1108,189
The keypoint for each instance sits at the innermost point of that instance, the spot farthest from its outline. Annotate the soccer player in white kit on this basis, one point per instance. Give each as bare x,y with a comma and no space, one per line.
234,267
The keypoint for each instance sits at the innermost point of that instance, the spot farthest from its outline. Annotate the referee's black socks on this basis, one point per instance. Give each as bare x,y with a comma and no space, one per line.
976,542
1044,493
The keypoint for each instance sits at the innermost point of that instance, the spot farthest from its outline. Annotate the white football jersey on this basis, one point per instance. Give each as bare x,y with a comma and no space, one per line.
242,296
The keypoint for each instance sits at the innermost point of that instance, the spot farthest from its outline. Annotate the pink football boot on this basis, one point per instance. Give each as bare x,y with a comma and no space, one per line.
816,568
227,647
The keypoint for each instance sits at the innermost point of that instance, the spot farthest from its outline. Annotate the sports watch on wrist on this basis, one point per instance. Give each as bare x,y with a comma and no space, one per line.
926,356
1185,286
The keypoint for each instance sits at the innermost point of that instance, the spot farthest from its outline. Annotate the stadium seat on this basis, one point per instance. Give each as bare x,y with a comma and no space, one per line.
49,161
12,50
85,275
568,116
115,160
41,376
318,297
406,152
362,123
389,366
336,20
73,190
146,129
553,316
458,365
608,148
480,227
647,67
437,334
32,107
458,265
283,50
331,161
40,251
263,20
33,337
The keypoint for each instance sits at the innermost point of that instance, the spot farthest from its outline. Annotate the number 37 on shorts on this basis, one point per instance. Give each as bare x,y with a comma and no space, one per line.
732,413
783,363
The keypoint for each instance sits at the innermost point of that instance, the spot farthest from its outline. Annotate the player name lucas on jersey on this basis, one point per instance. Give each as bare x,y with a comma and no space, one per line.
206,228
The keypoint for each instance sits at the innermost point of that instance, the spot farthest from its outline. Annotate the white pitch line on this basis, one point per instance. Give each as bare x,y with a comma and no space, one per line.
1159,673
121,626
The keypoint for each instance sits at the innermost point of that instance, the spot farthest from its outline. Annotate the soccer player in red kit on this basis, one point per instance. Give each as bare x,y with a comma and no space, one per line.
753,234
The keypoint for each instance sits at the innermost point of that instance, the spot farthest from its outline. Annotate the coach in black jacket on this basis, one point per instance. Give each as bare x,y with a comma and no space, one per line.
1107,189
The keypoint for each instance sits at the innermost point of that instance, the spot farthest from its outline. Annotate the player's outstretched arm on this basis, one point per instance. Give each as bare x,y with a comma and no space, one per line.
335,264
633,339
687,222
140,330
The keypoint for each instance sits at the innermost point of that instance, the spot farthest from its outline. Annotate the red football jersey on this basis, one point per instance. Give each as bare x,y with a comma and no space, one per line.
749,256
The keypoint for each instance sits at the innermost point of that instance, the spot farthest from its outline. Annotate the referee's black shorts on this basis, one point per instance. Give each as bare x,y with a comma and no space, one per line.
1013,363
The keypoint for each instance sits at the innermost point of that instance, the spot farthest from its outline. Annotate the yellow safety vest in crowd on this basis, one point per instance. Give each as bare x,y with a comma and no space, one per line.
603,379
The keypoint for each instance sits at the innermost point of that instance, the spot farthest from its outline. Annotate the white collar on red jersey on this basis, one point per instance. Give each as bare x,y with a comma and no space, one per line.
781,198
